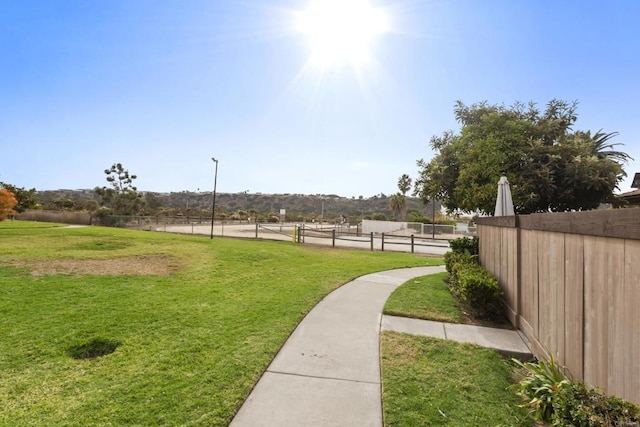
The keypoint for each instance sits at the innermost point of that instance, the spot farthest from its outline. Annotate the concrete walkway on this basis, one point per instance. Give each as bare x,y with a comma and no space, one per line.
328,371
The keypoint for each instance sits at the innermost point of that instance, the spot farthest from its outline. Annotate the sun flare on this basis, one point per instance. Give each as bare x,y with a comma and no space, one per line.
341,31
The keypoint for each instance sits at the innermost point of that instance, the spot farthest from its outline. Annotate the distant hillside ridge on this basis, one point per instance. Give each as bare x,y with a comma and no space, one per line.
326,206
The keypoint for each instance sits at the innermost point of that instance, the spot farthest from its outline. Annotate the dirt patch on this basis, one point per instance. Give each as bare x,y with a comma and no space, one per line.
161,265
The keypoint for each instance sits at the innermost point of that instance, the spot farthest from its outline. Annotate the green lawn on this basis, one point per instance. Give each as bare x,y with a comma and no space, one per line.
427,381
425,297
195,321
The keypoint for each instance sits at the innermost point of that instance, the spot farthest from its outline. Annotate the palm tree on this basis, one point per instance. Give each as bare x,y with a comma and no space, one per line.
602,148
404,184
398,202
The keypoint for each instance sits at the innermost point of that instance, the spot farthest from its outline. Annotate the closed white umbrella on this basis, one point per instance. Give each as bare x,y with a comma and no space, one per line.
504,203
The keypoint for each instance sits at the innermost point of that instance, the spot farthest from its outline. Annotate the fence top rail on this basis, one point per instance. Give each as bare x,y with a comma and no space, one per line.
619,223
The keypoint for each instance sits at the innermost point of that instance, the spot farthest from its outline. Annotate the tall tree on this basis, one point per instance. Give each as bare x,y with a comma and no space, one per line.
7,203
122,197
549,165
398,202
26,199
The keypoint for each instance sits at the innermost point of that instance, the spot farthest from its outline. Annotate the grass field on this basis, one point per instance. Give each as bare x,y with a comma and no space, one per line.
193,322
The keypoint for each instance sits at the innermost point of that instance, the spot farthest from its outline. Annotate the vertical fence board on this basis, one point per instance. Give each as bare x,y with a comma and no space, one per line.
544,290
574,304
512,278
604,264
504,259
494,249
557,295
615,275
530,282
482,237
630,329
595,303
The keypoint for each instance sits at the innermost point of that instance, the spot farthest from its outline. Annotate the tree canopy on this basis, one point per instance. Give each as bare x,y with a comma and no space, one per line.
7,203
26,199
122,197
550,166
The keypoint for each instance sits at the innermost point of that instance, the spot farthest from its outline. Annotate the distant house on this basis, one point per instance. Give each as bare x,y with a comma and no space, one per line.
633,197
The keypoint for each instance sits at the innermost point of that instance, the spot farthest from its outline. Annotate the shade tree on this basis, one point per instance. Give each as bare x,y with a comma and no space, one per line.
551,166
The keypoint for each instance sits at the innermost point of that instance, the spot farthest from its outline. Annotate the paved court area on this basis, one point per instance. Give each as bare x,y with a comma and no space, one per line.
284,233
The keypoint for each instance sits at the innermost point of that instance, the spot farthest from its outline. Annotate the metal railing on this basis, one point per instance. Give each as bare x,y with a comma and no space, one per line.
414,237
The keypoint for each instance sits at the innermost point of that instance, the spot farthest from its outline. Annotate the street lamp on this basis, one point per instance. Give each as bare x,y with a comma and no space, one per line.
213,207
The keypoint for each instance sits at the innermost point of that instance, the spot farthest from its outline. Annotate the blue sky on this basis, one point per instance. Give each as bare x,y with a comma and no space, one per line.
162,86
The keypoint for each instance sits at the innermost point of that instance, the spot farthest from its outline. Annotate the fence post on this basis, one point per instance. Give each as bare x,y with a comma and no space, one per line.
412,243
256,229
333,238
382,242
372,241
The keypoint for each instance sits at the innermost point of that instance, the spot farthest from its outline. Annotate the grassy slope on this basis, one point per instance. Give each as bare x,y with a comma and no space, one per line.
193,343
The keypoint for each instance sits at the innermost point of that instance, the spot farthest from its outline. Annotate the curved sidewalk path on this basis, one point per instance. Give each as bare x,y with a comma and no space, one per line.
328,371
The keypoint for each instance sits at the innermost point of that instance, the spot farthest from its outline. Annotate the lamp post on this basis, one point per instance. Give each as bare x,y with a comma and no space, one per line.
213,207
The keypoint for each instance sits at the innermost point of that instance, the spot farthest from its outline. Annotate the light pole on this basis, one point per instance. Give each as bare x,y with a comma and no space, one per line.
213,207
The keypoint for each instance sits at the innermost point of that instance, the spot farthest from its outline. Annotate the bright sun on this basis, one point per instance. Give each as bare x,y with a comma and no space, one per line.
341,31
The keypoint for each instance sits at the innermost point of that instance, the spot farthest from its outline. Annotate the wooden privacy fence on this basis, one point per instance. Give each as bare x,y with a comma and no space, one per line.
572,285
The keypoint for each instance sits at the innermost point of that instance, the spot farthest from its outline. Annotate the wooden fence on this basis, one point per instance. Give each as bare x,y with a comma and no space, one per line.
572,285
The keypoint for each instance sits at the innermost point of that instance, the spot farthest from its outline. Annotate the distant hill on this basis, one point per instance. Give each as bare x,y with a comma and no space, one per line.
308,206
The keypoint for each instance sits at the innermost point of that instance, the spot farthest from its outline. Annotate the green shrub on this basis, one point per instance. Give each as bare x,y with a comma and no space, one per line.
453,258
479,290
540,386
552,398
465,244
456,262
470,282
580,405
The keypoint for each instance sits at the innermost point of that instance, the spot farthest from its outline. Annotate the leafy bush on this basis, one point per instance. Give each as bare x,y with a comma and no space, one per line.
455,262
451,259
463,250
465,244
470,282
479,290
579,405
553,398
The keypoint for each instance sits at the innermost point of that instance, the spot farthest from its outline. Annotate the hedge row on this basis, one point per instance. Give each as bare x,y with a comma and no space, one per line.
470,282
